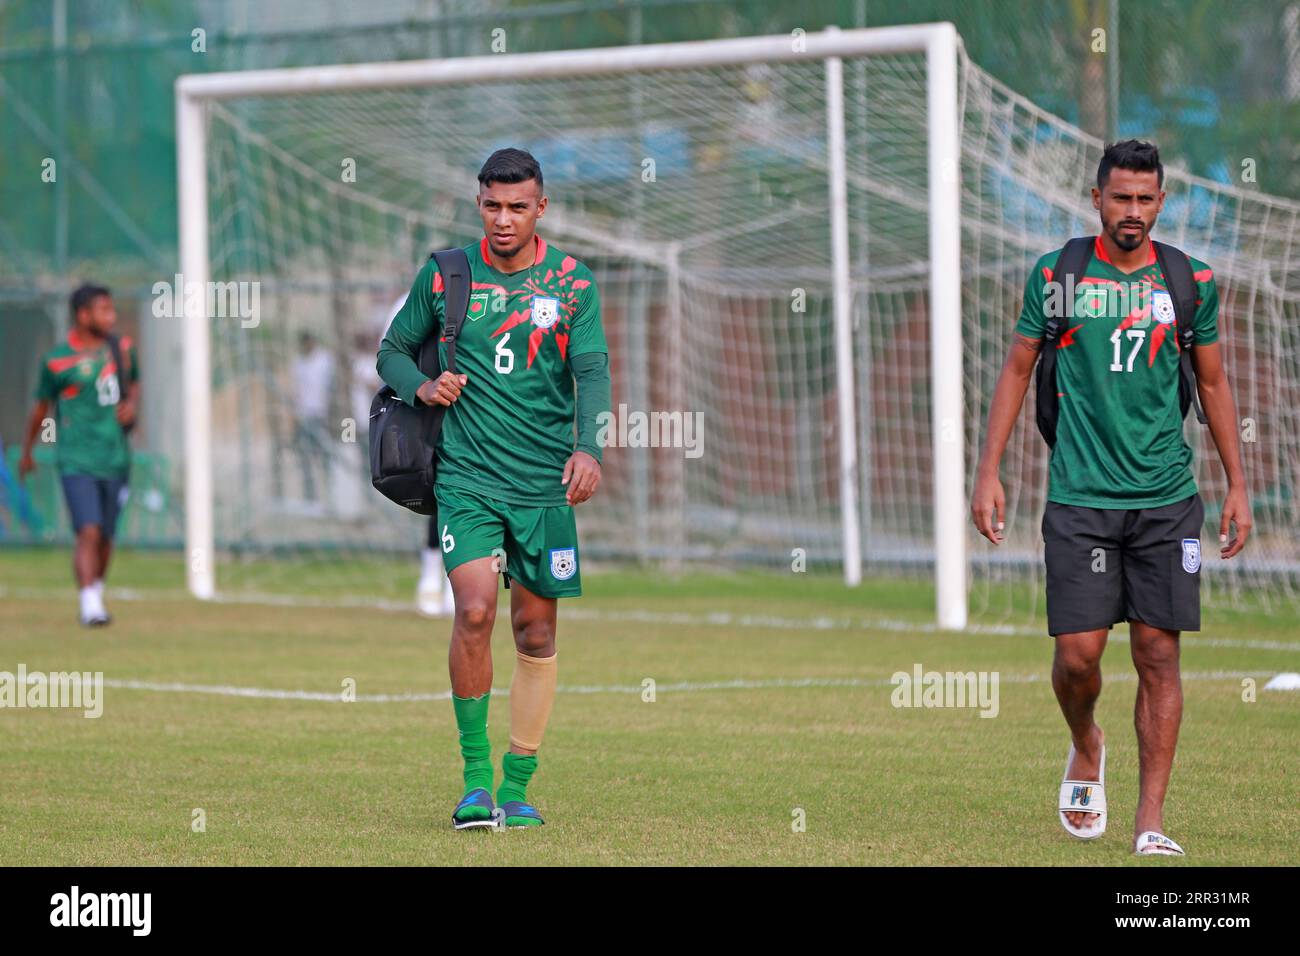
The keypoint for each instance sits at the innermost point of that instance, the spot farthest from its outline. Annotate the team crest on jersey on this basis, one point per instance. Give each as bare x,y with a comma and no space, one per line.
1162,306
1191,555
546,311
478,306
564,563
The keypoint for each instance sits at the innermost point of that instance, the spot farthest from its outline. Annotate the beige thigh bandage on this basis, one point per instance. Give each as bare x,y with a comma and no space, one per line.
532,692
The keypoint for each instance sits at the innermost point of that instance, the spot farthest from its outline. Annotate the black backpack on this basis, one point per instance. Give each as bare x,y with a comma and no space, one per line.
1073,262
115,349
403,438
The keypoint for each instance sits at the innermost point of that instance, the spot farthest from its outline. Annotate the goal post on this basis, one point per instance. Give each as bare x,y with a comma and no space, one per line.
192,204
948,414
936,49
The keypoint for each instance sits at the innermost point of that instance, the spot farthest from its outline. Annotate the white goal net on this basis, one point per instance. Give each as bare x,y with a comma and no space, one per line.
700,196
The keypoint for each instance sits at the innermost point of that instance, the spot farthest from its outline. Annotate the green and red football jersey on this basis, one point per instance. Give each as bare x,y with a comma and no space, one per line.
1119,439
511,430
85,384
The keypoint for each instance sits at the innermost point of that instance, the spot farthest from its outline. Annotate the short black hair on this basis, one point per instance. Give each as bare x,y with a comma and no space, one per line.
510,165
83,295
1132,154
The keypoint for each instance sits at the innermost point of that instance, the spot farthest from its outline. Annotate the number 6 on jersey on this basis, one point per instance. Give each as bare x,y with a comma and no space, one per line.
505,360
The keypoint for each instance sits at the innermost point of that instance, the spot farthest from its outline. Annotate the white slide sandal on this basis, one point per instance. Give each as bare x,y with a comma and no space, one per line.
1084,796
1152,843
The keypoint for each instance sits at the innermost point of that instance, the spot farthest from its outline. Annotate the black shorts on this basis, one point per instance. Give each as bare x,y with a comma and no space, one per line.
94,500
1107,565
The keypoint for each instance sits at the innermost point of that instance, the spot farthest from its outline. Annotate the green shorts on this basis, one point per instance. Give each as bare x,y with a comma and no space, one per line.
540,545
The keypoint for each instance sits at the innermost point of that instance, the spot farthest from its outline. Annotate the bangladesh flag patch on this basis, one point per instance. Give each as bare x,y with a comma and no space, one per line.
1091,303
478,306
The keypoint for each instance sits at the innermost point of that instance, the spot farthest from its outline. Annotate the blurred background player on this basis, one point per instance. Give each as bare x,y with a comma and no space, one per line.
433,595
81,379
313,378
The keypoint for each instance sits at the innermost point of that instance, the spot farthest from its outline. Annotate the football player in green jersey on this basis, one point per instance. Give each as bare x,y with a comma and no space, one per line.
94,403
509,468
1122,524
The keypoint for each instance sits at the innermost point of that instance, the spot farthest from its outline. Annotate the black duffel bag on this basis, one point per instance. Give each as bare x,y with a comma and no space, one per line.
404,438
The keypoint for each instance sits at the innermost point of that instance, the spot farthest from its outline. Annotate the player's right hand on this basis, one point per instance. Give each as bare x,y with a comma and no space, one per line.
987,500
443,390
26,465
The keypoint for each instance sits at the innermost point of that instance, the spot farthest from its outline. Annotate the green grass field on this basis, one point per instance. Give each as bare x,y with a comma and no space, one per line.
772,697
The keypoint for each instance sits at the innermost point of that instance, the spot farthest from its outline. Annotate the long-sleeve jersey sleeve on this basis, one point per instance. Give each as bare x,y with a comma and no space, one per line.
419,318
591,373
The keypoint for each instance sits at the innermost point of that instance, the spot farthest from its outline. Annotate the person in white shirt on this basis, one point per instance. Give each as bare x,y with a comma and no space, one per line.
433,597
313,379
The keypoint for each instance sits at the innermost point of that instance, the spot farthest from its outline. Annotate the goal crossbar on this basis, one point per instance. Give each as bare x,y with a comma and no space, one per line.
939,42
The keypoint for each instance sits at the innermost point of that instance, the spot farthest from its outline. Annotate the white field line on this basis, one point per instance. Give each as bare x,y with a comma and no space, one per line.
645,616
689,687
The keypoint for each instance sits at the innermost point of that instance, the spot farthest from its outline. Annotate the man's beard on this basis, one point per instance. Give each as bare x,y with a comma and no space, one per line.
1126,242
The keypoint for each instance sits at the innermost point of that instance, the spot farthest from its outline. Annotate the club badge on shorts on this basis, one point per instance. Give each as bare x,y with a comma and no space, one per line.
564,563
546,311
1162,306
1191,555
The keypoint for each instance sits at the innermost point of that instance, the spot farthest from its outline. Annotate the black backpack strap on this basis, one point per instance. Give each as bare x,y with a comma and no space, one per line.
1177,270
115,350
453,265
1071,264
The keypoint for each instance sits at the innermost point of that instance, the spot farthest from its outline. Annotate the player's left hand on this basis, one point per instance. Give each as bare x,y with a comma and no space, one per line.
1236,510
126,412
582,475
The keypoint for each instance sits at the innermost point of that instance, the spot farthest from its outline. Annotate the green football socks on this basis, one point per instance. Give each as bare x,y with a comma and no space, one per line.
471,719
517,769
